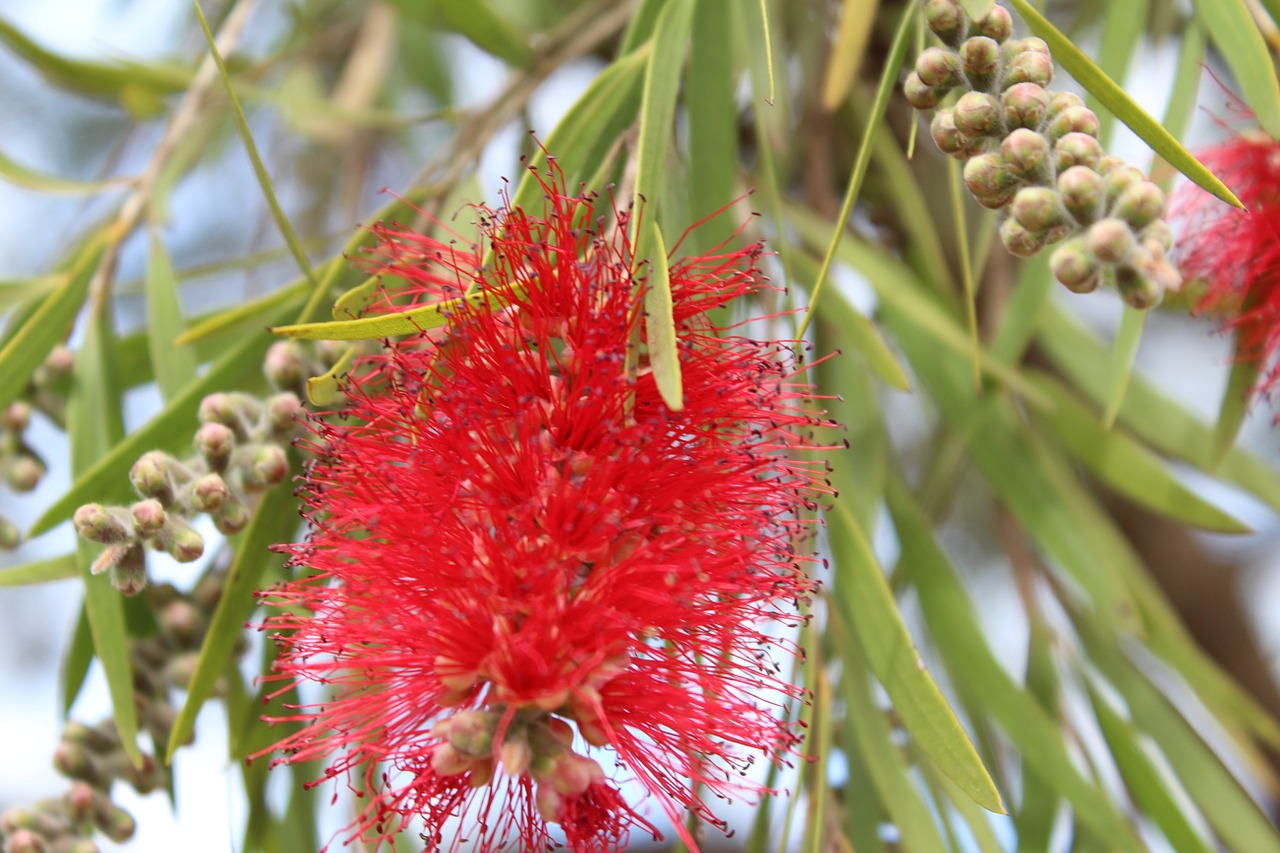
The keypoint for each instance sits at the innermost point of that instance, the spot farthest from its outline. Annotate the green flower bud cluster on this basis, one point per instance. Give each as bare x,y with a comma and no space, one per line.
21,468
1034,155
93,757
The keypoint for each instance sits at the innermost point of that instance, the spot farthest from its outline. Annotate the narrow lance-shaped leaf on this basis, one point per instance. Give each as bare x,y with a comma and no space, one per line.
659,323
1232,28
41,571
658,101
174,366
1111,96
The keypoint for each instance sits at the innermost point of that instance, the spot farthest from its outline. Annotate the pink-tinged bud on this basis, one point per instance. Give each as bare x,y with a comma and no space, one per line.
10,536
980,58
117,824
1018,240
454,675
266,467
447,761
25,841
81,800
978,114
1158,234
990,182
947,21
73,761
1075,266
17,416
282,412
99,524
1140,205
516,756
57,365
129,570
144,779
1137,290
184,543
1150,263
574,773
151,477
1025,105
1025,154
25,473
919,95
561,730
1116,182
1029,67
471,732
81,845
997,25
218,408
938,67
208,493
1109,164
181,621
1038,209
1073,120
285,365
1076,149
232,518
149,517
1081,191
1111,240
945,135
215,442
1060,102
549,803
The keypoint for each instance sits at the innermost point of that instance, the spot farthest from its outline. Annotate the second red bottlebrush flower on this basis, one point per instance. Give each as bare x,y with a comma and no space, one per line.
520,551
1233,253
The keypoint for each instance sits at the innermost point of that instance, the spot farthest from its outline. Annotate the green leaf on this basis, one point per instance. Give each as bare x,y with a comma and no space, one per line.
409,322
977,9
94,424
1126,465
863,594
21,176
1235,404
1122,358
273,521
259,170
888,82
78,657
1111,96
658,100
42,571
952,622
640,28
244,311
660,325
713,126
174,366
1120,35
850,46
47,326
324,390
477,21
1231,27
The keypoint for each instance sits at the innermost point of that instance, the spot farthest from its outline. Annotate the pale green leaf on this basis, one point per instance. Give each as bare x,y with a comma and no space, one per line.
41,571
1235,403
21,176
847,52
174,366
409,322
658,100
325,390
1122,358
659,323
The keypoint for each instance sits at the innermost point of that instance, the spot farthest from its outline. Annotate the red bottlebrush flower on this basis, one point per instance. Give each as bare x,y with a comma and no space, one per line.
1236,253
520,550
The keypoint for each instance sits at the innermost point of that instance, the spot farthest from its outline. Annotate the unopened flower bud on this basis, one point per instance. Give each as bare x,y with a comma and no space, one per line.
282,411
10,536
1109,164
74,761
561,730
1073,120
1060,102
1158,234
215,442
57,365
1018,240
574,773
1140,205
1076,149
1029,67
938,67
1119,180
1075,266
129,569
184,543
997,25
1025,154
285,365
25,841
181,669
149,517
947,20
920,95
144,779
217,409
151,477
990,182
99,524
266,467
1081,191
549,803
1111,240
232,518
978,114
17,416
942,128
1137,290
25,473
516,755
447,761
81,800
116,823
1038,209
180,620
1025,105
980,58
79,845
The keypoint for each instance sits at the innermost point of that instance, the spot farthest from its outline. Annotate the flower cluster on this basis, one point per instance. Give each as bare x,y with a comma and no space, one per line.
1034,155
1235,253
520,552
20,466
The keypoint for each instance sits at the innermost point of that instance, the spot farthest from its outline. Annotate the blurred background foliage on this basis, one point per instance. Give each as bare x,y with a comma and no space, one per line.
1026,639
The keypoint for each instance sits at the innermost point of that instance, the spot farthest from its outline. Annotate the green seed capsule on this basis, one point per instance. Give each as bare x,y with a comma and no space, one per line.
1140,205
1076,149
938,67
1018,240
978,114
1081,191
1111,240
1075,266
1026,154
1038,209
980,58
